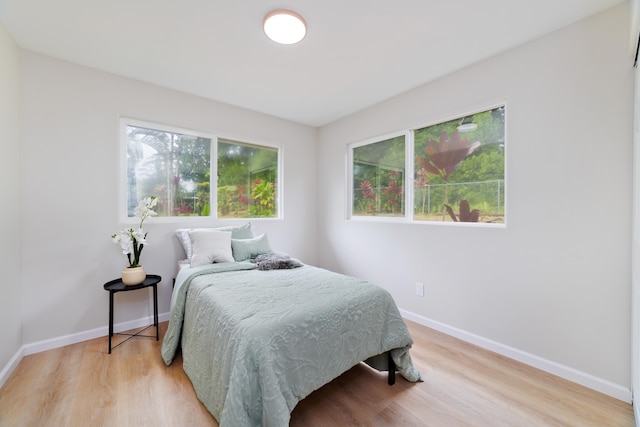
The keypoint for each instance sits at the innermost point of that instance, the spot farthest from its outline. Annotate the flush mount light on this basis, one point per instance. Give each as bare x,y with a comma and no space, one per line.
284,26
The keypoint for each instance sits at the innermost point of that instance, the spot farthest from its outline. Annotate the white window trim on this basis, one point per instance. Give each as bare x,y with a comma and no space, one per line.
349,193
410,173
280,171
123,218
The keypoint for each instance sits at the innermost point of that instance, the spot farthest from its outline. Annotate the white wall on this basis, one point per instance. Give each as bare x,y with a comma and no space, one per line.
70,180
635,227
635,255
555,283
10,212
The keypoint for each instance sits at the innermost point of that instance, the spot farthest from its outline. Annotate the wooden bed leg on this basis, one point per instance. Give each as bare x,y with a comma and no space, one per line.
391,380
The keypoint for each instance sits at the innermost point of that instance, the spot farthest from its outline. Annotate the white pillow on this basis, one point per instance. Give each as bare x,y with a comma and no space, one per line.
237,232
210,246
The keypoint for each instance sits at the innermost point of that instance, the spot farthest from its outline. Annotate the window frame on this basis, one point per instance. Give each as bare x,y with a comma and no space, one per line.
279,173
122,204
408,143
409,187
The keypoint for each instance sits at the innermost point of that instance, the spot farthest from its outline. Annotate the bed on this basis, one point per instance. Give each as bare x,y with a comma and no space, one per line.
255,341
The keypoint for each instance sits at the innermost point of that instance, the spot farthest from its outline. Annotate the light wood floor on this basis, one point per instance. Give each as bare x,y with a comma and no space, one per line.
81,385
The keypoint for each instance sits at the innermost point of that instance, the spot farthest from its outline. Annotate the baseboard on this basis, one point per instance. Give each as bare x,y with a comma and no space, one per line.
598,384
52,343
603,386
11,366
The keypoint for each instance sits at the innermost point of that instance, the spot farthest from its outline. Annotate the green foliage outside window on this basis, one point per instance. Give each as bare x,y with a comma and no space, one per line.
247,180
458,172
461,159
379,178
176,168
172,166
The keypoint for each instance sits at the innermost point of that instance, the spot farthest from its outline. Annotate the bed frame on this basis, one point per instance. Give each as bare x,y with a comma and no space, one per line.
391,379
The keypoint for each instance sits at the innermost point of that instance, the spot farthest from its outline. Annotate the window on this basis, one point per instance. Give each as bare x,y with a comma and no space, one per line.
177,166
247,180
379,178
458,170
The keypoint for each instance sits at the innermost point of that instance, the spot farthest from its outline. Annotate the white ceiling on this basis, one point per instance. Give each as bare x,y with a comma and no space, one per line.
356,52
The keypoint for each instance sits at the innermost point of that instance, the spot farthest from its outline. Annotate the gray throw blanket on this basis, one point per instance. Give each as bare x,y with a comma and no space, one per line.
274,261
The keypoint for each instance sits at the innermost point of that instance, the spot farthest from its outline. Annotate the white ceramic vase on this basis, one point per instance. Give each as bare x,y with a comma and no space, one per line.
133,275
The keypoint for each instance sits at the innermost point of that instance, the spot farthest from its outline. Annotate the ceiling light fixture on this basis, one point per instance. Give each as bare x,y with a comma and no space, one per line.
284,26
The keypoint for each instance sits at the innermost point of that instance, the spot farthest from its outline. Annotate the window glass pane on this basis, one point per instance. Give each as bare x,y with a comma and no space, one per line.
247,180
172,166
459,169
379,178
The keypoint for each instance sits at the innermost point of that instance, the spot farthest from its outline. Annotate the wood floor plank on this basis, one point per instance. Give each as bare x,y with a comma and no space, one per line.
94,374
81,385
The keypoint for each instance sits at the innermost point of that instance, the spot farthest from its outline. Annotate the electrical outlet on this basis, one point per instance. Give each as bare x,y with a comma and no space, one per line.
420,289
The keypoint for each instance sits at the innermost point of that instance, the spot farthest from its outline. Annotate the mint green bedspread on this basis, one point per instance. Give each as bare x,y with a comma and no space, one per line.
255,343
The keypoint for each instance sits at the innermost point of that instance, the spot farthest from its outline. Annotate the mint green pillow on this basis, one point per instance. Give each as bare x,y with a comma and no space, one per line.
238,231
244,249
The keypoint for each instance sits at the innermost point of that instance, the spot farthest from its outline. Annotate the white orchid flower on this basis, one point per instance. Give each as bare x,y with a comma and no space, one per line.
132,241
139,235
127,247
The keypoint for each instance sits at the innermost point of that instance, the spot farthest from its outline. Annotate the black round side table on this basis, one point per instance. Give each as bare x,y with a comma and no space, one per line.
116,285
